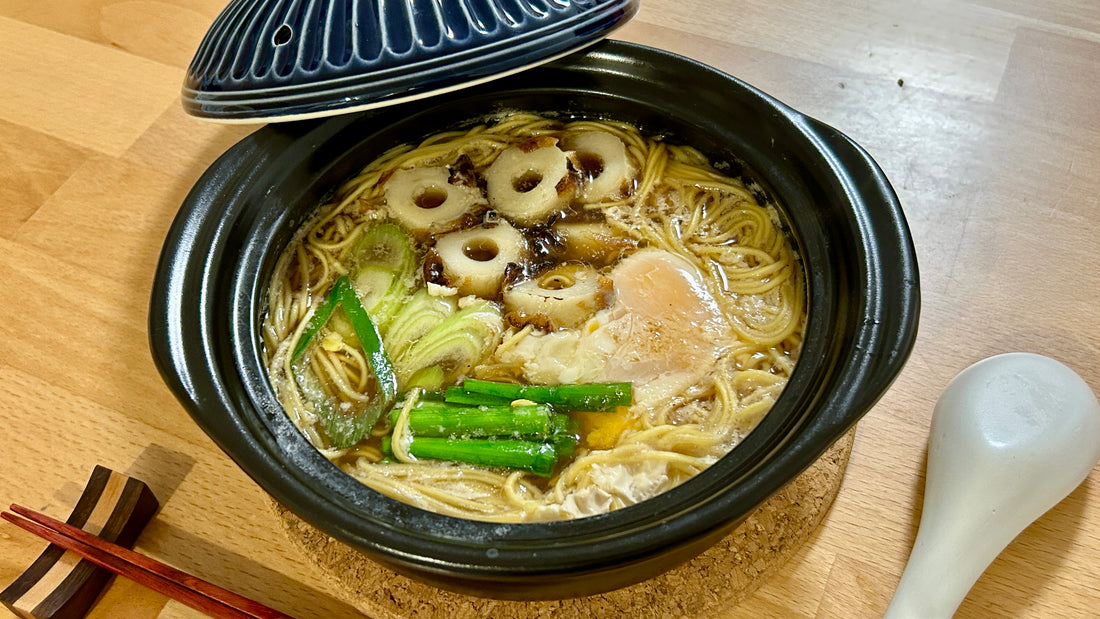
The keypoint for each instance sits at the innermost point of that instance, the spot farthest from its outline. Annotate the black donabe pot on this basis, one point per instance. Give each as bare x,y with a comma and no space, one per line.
863,296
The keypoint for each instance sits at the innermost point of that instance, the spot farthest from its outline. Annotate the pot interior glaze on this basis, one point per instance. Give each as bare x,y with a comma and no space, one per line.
848,227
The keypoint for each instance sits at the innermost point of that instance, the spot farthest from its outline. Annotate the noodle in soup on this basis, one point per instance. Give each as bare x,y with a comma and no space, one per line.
534,319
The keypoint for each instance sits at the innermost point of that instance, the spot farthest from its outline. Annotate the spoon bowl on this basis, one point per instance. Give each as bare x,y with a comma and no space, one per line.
1011,437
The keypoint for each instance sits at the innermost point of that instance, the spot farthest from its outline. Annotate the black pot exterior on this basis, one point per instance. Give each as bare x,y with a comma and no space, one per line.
863,297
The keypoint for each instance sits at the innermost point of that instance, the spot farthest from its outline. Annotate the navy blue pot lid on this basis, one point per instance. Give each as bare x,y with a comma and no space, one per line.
276,60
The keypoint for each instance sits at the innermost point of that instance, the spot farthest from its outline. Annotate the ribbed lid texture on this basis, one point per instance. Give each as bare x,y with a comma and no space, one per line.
266,60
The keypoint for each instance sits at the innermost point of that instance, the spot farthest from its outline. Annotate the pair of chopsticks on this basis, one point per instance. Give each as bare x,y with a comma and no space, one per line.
166,580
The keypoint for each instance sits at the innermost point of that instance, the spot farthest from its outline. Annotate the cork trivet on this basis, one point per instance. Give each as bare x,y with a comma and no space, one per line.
711,583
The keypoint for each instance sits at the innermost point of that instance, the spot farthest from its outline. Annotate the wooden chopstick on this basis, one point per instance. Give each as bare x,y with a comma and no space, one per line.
164,579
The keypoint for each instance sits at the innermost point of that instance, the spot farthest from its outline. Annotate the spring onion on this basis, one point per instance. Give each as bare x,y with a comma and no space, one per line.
370,340
319,320
385,273
345,426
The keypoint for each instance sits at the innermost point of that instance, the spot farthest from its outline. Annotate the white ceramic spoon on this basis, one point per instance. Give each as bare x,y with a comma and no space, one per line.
1011,436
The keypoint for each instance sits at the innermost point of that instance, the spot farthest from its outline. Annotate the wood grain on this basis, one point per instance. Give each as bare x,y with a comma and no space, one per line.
982,113
113,508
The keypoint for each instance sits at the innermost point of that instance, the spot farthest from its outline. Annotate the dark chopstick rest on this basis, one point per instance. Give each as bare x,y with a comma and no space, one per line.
146,571
60,584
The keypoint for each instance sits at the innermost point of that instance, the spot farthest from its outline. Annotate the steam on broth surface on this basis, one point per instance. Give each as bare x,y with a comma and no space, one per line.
657,295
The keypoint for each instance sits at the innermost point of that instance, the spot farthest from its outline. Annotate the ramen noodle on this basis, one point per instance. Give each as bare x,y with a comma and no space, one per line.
577,256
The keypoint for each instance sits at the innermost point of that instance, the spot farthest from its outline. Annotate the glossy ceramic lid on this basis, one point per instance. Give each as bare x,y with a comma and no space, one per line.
274,60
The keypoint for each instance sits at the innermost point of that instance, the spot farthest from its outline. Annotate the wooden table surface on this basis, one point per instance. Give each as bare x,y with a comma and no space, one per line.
985,115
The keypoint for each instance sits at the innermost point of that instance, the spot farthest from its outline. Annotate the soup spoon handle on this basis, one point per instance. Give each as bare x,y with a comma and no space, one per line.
1011,437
